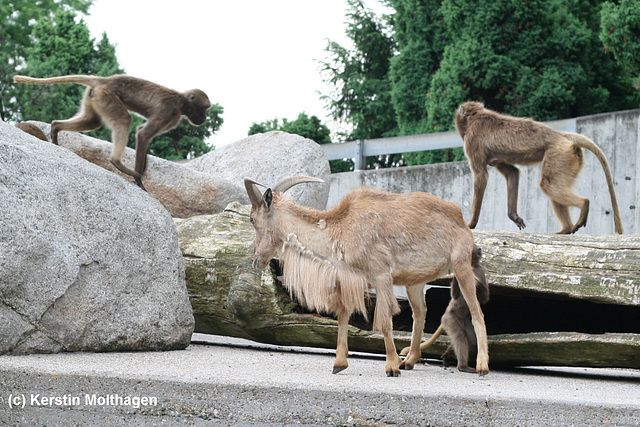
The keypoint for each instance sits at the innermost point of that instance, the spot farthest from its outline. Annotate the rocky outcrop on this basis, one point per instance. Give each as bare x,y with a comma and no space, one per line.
555,300
183,191
88,261
267,158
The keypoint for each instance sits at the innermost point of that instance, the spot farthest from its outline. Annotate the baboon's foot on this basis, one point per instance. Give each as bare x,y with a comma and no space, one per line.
519,221
466,369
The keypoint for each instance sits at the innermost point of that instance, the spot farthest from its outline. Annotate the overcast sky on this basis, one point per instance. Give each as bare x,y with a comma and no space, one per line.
256,58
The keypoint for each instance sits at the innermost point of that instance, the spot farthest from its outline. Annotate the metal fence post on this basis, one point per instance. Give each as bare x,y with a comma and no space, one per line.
359,160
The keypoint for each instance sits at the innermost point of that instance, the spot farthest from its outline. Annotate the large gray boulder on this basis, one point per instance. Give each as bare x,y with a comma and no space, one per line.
268,158
183,191
88,261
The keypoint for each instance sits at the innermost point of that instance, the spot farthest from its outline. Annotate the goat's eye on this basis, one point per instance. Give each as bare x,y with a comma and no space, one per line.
253,220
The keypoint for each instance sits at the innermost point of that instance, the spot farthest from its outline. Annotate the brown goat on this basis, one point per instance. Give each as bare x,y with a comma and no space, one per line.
370,240
456,321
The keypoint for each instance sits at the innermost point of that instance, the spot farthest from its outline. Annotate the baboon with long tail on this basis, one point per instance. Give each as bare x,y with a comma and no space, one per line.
108,100
499,140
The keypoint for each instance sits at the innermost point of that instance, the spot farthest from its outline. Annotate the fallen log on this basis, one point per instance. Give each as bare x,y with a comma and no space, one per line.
556,300
604,269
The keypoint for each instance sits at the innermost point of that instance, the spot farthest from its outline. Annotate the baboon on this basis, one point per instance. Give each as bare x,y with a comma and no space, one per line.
499,140
33,130
456,321
109,100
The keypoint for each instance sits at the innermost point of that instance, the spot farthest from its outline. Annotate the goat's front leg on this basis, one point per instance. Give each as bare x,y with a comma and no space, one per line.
467,283
342,346
419,312
392,367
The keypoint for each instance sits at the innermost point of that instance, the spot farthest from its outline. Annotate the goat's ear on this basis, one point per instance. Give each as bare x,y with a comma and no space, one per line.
267,198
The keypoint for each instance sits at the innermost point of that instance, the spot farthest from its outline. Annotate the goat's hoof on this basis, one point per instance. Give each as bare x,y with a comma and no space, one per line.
406,366
393,373
337,369
483,372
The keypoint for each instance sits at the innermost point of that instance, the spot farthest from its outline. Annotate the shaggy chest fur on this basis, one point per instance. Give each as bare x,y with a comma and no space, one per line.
322,284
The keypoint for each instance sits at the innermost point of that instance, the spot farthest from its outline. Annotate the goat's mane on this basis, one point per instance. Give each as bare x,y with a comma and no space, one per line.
320,284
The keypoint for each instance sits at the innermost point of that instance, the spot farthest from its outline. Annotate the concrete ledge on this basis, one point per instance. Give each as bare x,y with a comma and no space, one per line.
236,382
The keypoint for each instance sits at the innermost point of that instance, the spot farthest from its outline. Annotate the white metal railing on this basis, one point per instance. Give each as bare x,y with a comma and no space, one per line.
362,148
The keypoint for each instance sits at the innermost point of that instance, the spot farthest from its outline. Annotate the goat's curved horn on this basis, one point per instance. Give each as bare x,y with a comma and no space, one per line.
287,183
252,190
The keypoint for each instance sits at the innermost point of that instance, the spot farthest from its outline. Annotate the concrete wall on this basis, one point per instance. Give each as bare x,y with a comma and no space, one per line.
616,133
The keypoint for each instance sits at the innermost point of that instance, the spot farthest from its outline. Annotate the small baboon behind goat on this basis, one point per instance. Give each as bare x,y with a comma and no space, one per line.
109,100
456,321
495,139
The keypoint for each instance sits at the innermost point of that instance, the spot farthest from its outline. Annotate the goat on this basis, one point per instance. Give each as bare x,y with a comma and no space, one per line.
371,240
456,320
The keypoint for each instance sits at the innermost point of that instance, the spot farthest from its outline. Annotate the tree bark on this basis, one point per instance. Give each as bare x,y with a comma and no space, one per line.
603,269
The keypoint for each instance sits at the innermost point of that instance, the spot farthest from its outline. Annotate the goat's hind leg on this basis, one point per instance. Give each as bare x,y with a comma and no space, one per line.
419,312
467,283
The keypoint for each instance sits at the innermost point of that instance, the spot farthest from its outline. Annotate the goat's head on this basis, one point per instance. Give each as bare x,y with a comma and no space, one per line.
264,213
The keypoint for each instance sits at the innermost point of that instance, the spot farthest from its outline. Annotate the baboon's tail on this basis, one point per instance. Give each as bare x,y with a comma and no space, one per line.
427,343
90,81
433,338
584,142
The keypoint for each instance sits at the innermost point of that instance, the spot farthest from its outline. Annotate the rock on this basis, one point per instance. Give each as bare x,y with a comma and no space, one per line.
183,191
537,282
268,158
88,261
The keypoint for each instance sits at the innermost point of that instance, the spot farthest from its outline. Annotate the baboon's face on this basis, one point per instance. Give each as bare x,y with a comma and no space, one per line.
470,108
465,112
197,105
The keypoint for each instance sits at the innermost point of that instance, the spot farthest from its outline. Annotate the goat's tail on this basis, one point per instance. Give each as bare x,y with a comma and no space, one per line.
90,81
584,142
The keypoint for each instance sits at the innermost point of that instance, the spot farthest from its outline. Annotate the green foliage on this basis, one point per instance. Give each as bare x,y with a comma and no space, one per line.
17,21
362,96
420,34
538,58
63,46
303,125
620,33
